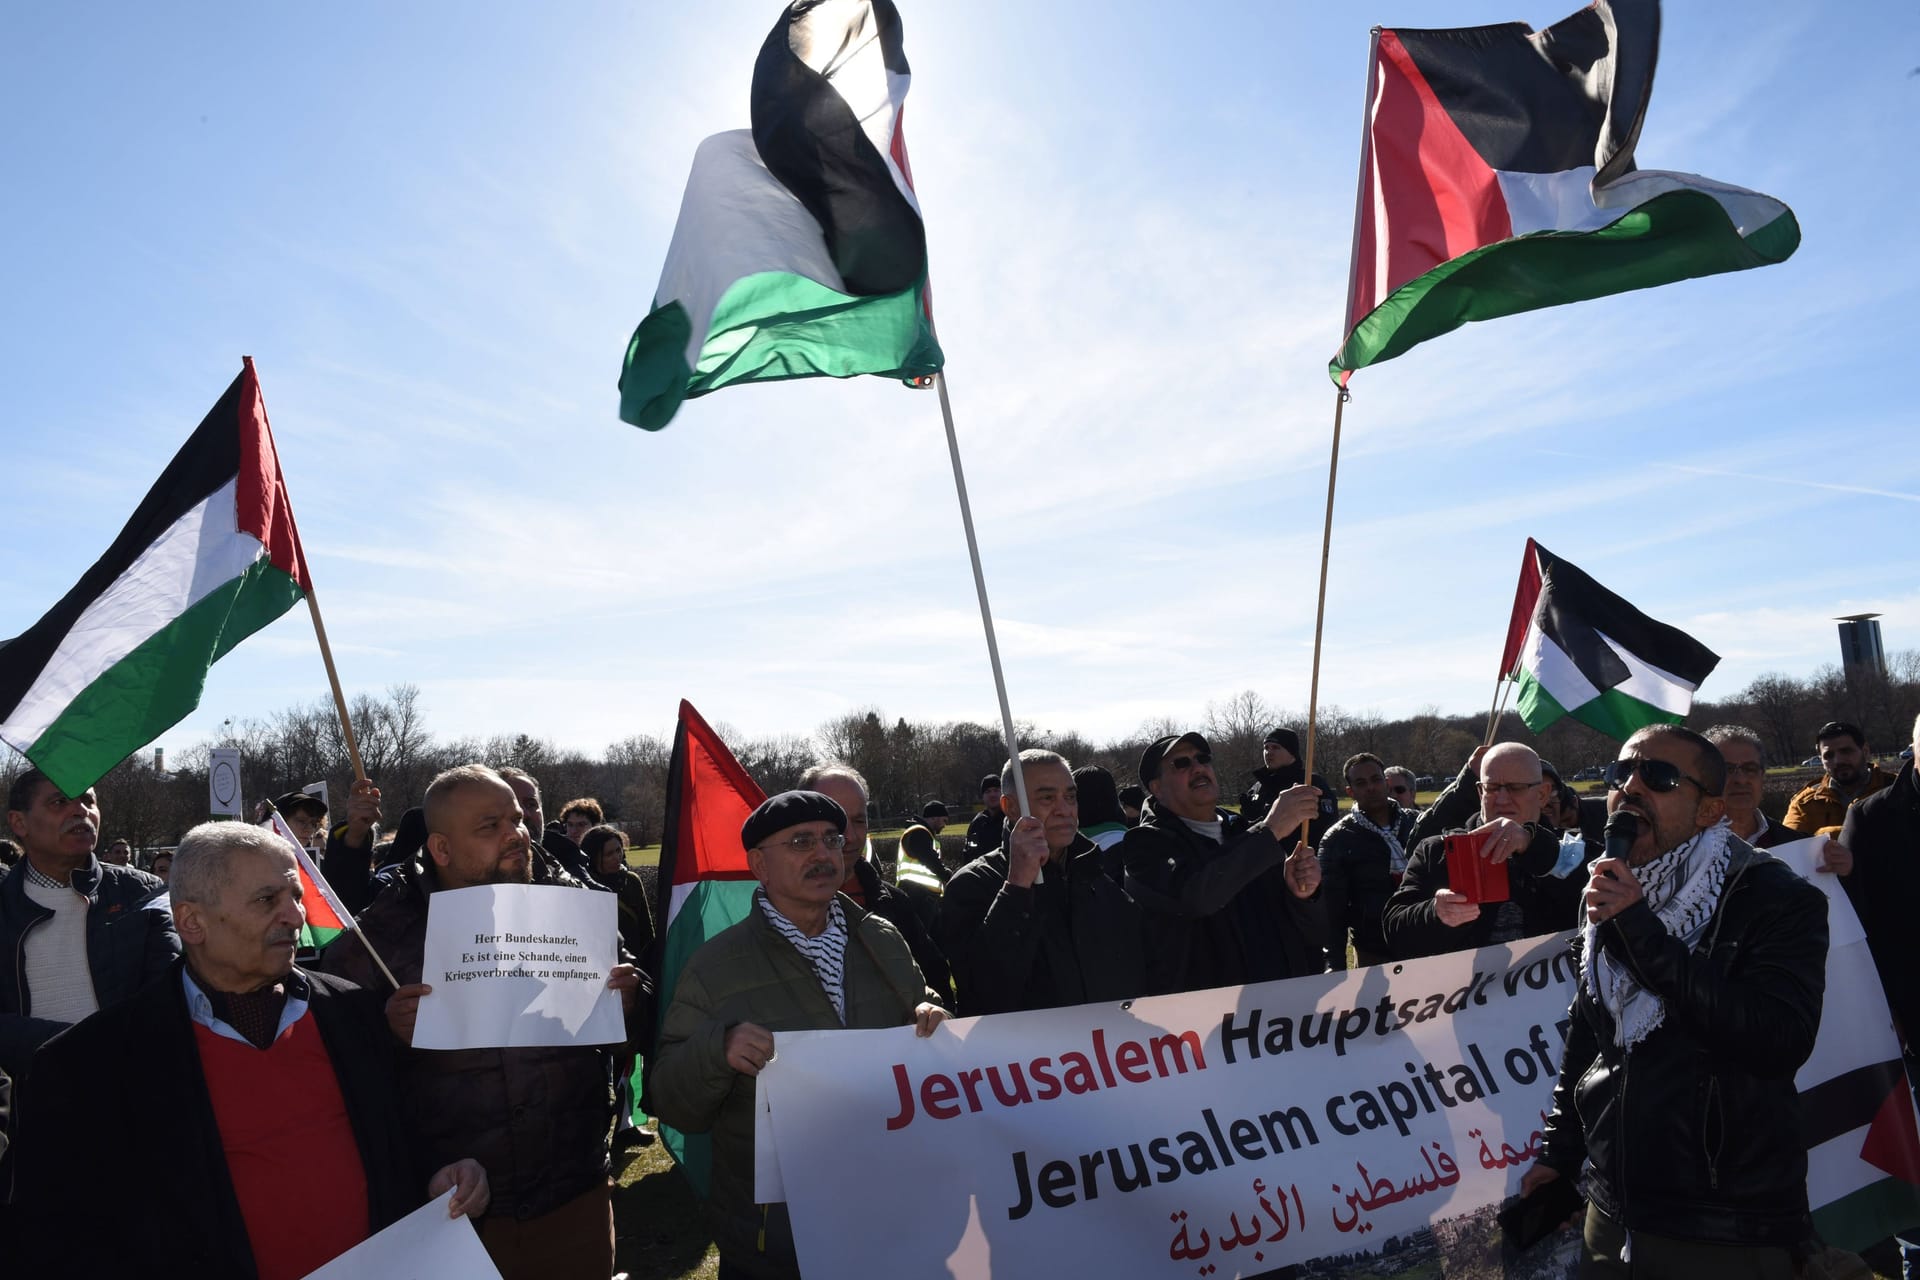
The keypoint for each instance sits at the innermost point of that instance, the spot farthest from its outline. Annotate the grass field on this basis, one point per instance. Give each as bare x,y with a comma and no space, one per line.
659,1231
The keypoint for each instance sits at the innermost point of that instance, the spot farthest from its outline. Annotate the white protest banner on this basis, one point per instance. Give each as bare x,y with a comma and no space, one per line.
424,1245
515,965
223,782
1218,1132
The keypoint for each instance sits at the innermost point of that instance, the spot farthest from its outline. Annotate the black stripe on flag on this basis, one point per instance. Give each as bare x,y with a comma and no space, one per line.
1542,102
1848,1101
809,138
210,458
1574,609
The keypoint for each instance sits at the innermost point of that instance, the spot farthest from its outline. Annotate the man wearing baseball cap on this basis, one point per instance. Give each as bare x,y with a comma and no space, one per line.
805,958
1225,903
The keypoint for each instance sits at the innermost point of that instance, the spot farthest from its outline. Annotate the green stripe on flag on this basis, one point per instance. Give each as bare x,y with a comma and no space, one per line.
711,906
155,686
1869,1215
312,938
1674,236
1613,713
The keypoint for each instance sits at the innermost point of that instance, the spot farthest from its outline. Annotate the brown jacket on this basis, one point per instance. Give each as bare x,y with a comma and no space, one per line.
1819,810
538,1120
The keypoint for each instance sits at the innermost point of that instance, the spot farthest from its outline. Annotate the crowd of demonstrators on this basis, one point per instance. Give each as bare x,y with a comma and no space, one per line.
1362,859
224,1040
805,957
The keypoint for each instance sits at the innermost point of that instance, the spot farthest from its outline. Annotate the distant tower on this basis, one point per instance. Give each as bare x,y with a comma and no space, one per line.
1860,651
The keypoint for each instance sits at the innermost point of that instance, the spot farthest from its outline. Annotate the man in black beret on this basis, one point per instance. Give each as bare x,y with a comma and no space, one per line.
805,958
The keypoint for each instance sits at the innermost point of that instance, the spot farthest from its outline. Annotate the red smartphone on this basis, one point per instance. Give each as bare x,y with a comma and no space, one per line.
1471,876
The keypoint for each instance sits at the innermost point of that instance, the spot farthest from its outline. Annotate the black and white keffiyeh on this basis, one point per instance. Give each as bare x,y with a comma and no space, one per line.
1396,852
826,954
1682,888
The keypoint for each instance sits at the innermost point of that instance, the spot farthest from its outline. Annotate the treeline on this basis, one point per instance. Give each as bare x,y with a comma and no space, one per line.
908,763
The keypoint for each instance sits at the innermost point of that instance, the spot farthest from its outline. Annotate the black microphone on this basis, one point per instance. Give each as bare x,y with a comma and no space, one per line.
1622,829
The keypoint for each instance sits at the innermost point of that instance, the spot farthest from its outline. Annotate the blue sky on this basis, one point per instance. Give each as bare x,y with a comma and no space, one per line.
434,228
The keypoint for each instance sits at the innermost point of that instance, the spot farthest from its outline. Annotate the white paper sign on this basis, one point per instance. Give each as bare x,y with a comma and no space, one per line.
517,965
223,782
424,1245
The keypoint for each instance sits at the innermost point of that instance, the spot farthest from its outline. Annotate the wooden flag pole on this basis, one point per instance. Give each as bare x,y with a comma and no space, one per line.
1320,606
980,589
1501,689
339,698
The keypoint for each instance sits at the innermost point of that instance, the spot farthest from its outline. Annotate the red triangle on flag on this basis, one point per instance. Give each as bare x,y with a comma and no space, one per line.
709,798
1893,1139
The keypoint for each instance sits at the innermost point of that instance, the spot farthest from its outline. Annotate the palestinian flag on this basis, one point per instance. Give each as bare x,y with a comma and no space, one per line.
209,558
1497,175
704,883
1856,1107
799,251
327,917
1577,649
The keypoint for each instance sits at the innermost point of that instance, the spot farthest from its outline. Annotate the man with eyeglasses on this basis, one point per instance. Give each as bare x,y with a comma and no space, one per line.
1038,924
1743,752
1226,902
805,958
1703,967
1851,774
1427,917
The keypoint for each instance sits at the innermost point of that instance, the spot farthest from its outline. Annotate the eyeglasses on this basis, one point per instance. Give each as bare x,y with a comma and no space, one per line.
1750,769
1513,789
807,842
1659,775
1182,763
1401,789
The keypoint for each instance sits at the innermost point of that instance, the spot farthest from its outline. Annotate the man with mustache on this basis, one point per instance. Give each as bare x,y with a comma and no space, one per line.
73,936
806,957
1741,748
1851,774
1703,967
263,1077
1226,902
539,1119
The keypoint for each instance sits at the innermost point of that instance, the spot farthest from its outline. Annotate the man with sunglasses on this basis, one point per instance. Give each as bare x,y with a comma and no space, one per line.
1851,774
1427,917
805,958
1226,902
1703,967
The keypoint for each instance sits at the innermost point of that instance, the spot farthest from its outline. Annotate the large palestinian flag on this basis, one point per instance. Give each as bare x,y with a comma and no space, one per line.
799,251
209,558
704,883
1497,175
1575,648
1856,1107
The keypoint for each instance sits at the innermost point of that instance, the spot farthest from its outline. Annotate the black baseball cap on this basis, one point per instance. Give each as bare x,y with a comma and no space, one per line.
1157,750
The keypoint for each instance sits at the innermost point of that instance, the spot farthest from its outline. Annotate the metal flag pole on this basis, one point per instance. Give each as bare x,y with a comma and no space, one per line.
980,589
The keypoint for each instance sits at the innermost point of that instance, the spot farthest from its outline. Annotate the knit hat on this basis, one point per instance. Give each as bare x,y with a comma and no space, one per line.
790,809
1286,738
934,809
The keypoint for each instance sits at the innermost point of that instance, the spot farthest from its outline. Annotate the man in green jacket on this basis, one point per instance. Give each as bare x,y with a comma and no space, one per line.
805,958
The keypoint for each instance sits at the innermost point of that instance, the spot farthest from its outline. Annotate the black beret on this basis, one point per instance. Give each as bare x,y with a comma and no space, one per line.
790,809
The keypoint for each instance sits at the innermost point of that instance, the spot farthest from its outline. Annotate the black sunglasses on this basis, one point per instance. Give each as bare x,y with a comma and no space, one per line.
1659,775
1182,763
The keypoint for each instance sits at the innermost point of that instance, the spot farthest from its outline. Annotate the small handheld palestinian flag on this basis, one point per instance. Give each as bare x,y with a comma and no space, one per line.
799,251
209,558
1576,649
327,916
1497,176
704,882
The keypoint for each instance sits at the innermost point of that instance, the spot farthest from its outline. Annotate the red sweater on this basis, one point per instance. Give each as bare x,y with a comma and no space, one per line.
291,1154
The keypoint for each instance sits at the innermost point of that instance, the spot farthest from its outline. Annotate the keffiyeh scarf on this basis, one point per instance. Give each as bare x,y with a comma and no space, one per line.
826,954
1396,852
1682,888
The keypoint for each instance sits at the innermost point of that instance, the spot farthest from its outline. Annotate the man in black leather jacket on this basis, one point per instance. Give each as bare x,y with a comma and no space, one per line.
1702,973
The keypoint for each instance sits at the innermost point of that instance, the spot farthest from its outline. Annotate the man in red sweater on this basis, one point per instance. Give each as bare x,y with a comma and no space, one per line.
274,1142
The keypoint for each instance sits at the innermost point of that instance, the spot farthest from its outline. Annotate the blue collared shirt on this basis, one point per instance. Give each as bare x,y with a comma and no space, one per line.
200,1008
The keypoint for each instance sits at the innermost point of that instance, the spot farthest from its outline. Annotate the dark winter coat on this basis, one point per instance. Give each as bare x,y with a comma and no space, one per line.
1883,833
1548,903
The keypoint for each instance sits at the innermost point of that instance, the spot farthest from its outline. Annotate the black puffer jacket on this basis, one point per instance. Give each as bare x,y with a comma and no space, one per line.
1696,1132
1072,939
1883,832
537,1119
1358,877
1219,915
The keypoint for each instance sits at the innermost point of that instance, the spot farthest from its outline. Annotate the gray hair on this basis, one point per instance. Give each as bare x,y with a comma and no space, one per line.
1403,773
1503,750
202,865
834,769
1028,759
1721,734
